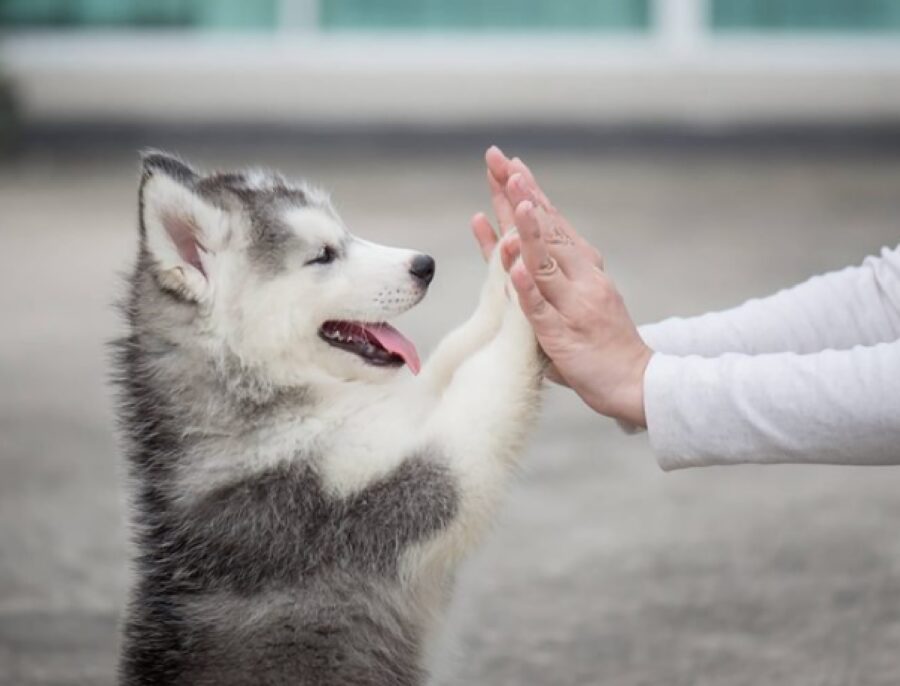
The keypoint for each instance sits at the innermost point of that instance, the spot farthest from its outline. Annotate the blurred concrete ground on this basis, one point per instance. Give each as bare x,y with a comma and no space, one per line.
602,569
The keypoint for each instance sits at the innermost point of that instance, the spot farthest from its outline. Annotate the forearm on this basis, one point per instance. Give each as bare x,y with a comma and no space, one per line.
838,407
854,306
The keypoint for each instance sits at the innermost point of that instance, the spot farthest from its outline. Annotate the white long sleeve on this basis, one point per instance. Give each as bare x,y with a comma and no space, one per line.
840,407
854,306
811,374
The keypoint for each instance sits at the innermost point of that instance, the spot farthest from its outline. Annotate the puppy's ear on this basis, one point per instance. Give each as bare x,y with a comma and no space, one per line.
181,230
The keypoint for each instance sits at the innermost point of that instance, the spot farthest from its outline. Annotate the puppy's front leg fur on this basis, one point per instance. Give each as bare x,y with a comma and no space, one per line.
481,423
461,343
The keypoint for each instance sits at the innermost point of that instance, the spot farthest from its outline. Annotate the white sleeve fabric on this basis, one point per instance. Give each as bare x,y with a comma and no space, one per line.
808,375
854,306
836,407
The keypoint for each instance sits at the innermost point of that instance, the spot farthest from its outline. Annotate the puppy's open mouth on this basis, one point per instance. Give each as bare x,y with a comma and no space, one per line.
378,344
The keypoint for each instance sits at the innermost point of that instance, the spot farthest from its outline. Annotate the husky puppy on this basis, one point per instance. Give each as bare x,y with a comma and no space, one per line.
300,502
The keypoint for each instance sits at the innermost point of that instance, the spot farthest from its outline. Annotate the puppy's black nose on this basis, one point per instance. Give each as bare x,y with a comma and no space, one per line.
422,268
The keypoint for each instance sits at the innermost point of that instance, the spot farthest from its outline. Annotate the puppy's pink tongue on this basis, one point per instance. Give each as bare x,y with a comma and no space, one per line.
395,342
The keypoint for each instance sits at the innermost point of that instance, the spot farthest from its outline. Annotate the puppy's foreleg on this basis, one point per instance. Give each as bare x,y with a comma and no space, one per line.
481,422
461,343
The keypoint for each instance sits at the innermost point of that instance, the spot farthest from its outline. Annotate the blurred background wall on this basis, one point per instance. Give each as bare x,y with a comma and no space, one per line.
437,63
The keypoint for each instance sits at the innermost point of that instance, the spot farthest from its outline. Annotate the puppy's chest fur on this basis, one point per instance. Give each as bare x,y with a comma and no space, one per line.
275,572
282,525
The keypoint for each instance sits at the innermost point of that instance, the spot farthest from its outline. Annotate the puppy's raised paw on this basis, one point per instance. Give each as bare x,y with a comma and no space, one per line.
497,289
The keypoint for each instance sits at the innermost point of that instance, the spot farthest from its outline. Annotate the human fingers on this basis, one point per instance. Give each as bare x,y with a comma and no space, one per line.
503,209
510,249
484,234
560,232
536,257
575,257
497,164
521,186
516,165
544,319
517,190
497,176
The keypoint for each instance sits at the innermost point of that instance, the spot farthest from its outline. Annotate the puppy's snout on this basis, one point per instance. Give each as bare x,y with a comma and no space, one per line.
422,267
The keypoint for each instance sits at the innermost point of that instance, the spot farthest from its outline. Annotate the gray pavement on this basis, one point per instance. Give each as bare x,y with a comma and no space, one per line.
602,569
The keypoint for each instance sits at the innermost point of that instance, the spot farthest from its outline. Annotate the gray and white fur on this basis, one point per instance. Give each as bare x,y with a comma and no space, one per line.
298,509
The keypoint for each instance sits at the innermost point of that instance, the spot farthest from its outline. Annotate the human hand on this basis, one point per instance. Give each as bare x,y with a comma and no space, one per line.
499,169
576,311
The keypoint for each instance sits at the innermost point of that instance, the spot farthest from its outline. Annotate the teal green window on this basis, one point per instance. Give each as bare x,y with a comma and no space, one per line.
806,15
336,15
478,15
249,14
622,16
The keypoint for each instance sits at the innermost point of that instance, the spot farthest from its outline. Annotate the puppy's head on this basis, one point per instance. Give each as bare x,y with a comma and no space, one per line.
273,276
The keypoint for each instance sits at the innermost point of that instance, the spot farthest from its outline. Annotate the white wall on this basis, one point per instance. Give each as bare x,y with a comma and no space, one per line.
677,75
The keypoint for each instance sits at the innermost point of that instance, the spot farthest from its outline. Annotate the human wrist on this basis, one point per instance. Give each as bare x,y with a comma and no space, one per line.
629,401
